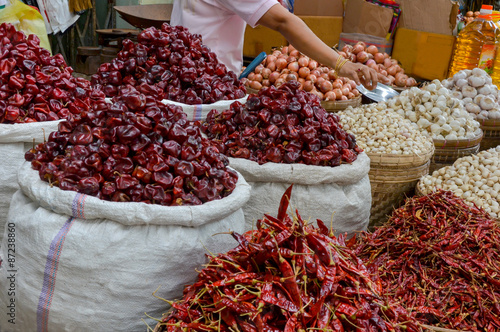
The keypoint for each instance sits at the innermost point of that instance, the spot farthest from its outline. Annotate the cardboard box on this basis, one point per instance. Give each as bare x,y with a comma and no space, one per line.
367,18
327,28
318,8
435,16
423,55
261,39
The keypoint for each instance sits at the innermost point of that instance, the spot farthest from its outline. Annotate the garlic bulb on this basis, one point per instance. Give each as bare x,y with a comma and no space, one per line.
475,178
475,86
380,129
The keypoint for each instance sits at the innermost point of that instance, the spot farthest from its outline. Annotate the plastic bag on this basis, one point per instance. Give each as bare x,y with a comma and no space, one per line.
26,19
57,16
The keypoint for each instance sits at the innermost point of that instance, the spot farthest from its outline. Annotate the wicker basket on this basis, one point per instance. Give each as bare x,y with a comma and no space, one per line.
447,156
330,106
491,134
334,106
390,186
447,152
439,329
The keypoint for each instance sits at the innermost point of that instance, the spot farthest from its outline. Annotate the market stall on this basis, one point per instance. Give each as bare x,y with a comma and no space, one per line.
146,186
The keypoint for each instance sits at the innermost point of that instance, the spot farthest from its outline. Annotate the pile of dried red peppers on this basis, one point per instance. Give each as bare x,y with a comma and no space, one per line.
440,258
436,262
286,275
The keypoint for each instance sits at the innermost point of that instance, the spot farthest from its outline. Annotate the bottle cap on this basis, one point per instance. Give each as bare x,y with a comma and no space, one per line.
486,11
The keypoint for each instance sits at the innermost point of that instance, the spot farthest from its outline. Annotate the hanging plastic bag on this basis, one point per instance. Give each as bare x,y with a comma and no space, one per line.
57,15
26,19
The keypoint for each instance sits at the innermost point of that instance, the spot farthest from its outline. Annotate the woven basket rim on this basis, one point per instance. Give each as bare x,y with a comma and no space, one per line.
462,143
440,329
341,104
387,159
390,175
494,123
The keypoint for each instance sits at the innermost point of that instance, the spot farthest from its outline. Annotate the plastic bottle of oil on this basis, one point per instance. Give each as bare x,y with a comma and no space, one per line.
476,44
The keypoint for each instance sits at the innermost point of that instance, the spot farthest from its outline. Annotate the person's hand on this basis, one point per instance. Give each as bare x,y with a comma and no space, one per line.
362,74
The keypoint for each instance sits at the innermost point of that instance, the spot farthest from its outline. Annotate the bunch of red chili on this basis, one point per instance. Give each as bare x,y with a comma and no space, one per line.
440,258
286,275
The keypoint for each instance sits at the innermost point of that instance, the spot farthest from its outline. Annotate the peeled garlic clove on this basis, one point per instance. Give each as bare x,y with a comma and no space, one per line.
473,108
467,100
478,72
457,94
478,98
485,90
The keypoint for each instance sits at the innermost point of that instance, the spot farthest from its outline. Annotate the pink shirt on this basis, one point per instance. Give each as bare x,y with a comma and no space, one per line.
221,23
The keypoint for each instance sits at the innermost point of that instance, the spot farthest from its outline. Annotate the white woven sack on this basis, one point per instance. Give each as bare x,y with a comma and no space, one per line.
15,140
341,194
199,112
83,264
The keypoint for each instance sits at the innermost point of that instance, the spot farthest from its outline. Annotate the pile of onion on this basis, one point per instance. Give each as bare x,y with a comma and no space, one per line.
381,62
288,64
470,16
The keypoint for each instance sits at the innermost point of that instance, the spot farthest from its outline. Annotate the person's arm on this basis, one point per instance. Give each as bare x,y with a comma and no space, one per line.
303,39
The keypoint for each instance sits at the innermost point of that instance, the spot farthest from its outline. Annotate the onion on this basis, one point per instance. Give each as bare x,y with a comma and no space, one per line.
355,92
358,48
352,84
330,95
258,77
325,76
352,58
343,98
266,72
347,48
371,62
291,77
337,84
401,80
332,75
344,54
391,79
259,69
294,53
338,93
303,61
411,82
274,76
255,85
313,64
350,95
304,72
279,82
347,86
271,66
319,81
251,76
318,93
266,83
291,59
285,71
315,72
281,63
345,91
326,86
284,50
312,78
378,57
270,58
392,70
383,73
372,49
387,63
293,66
301,80
386,56
276,54
308,86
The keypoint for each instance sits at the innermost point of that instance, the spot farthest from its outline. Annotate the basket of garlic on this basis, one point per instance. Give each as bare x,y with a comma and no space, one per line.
433,109
481,99
476,179
399,154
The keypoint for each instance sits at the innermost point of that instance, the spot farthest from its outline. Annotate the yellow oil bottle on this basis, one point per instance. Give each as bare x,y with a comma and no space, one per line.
476,44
